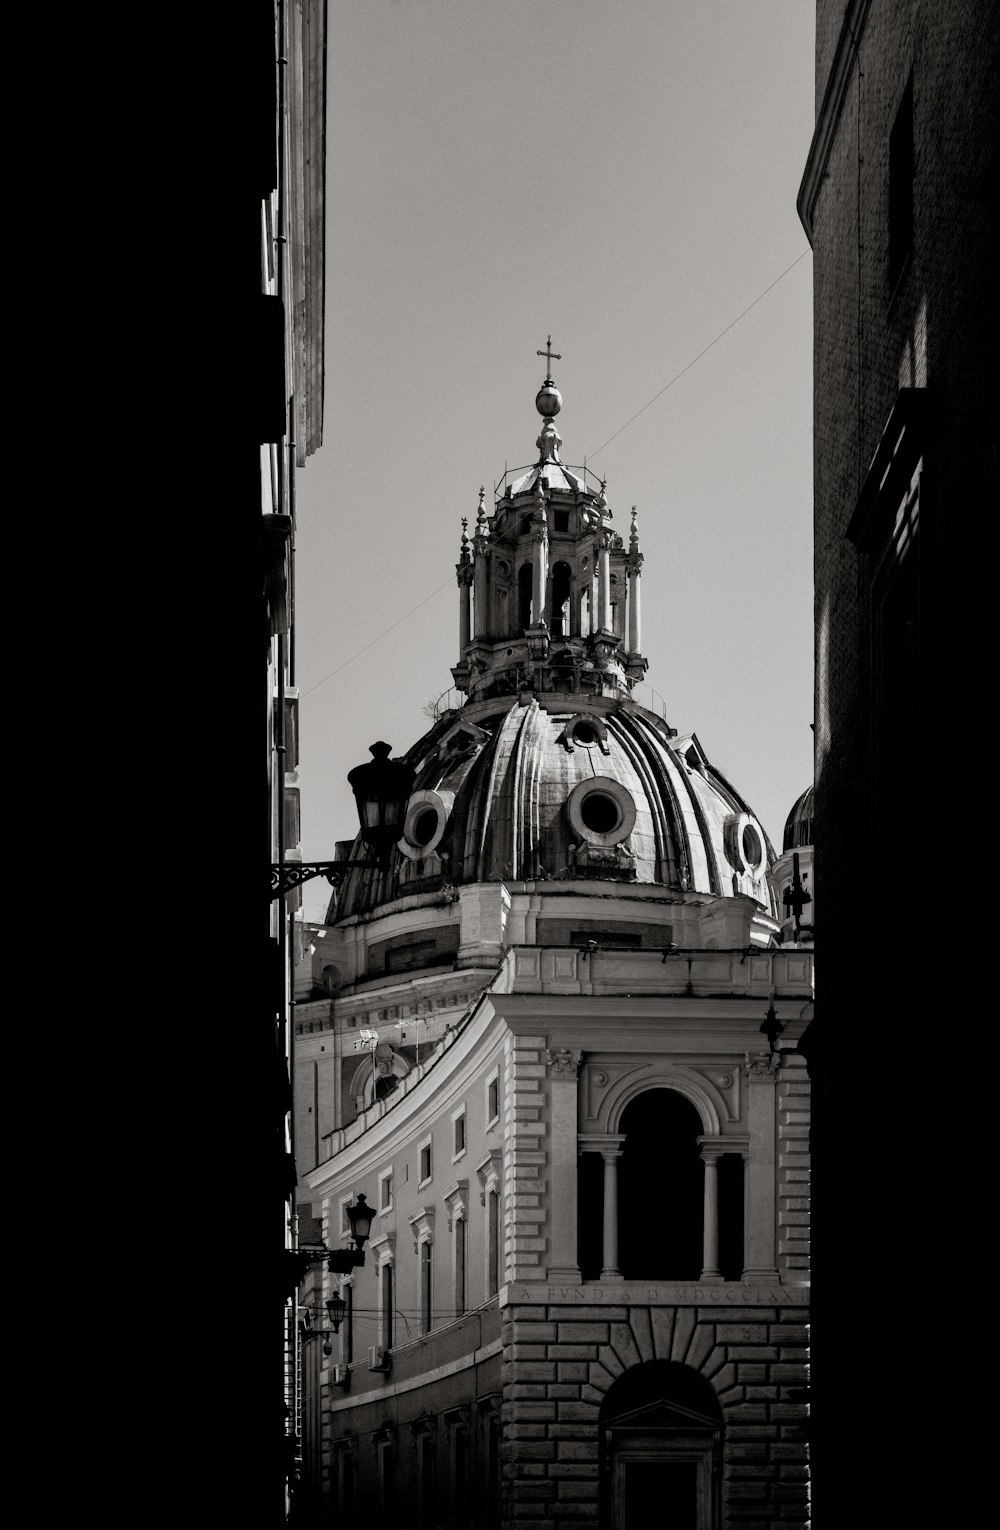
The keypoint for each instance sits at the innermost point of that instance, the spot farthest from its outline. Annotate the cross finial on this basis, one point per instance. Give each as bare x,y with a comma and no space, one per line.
550,356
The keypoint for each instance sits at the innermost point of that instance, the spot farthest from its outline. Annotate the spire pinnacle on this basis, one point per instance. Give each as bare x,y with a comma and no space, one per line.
548,399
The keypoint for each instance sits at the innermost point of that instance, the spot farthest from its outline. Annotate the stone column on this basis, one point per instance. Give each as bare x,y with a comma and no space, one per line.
481,544
604,583
633,563
634,623
760,1248
563,1254
464,611
482,614
539,559
611,1270
710,1247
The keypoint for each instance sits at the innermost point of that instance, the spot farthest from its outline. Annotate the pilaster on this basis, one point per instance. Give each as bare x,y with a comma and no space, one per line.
761,1170
525,1159
564,1066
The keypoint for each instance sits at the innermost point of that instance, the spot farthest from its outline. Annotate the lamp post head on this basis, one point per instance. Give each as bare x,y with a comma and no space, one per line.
336,1307
360,1216
382,790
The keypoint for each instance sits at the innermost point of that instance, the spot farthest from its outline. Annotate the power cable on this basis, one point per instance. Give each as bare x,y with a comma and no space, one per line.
375,639
705,352
590,457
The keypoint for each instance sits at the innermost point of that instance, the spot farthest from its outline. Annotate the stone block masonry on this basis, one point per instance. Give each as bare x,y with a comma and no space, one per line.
562,1358
793,1106
525,1157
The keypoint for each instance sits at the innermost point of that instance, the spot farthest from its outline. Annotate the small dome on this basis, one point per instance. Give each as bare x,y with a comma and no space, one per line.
799,823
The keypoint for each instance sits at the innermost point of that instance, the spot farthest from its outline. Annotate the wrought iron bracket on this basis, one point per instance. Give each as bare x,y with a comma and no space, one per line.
285,878
340,1261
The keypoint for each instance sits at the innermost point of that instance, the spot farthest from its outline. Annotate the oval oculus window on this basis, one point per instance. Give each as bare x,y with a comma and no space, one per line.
424,825
601,811
426,821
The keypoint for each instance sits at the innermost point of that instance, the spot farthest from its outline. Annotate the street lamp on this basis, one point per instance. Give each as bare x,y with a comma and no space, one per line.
360,1216
382,790
336,1307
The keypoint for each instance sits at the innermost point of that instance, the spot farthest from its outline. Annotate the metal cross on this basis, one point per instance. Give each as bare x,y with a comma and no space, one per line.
550,356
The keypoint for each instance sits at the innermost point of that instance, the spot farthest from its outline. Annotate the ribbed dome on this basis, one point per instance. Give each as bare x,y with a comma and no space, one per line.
566,787
799,823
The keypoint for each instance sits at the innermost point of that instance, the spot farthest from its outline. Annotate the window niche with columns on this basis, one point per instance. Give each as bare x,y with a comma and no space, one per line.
660,1199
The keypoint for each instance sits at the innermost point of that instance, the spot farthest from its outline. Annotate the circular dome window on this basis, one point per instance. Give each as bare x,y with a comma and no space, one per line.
424,826
753,850
425,823
744,844
601,811
584,733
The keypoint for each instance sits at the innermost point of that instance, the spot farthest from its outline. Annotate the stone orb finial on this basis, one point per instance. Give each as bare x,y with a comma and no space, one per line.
548,400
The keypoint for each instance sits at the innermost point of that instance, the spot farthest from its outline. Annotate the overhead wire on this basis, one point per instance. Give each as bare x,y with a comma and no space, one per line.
676,378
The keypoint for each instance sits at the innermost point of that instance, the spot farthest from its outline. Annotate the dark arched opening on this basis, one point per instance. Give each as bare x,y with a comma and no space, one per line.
660,1188
590,1191
731,1216
561,583
524,578
661,1449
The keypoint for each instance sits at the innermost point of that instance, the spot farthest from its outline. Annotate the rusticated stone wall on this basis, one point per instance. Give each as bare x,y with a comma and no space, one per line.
561,1359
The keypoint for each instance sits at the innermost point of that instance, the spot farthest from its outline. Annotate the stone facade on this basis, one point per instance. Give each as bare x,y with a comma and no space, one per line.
553,1044
899,202
563,1351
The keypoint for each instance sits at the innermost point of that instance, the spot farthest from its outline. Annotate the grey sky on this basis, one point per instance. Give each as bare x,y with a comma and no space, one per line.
622,174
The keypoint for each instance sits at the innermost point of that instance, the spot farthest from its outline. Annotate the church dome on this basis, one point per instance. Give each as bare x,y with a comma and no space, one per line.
558,788
551,771
799,823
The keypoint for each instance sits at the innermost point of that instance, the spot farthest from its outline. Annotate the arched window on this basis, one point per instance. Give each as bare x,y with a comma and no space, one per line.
661,1449
560,606
585,612
524,577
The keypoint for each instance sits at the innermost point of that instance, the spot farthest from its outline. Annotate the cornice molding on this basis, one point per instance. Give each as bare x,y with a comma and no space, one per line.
828,117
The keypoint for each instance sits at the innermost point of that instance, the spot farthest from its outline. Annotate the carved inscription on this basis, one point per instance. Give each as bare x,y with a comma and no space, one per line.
638,1293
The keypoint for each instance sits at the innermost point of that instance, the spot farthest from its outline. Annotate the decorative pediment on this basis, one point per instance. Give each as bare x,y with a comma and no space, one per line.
383,1249
489,1169
422,1226
456,1200
664,1415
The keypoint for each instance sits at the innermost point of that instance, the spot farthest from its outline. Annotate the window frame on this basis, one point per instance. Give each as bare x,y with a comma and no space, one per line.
427,1144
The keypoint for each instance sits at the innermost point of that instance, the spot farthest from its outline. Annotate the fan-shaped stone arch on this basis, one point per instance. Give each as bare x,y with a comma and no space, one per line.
659,1074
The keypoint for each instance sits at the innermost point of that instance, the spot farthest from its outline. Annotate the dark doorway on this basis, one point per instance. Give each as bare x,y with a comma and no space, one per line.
661,1450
